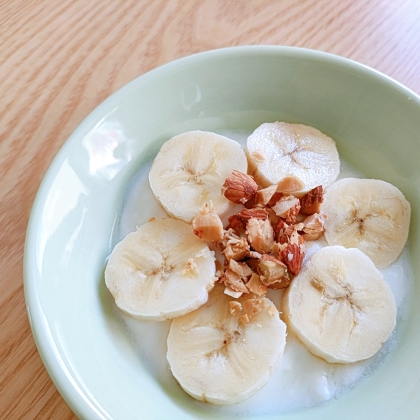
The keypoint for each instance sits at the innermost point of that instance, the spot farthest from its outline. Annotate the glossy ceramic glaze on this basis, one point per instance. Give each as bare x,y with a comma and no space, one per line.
375,122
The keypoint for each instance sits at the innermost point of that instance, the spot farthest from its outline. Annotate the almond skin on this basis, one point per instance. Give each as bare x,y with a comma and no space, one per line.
239,187
292,257
310,203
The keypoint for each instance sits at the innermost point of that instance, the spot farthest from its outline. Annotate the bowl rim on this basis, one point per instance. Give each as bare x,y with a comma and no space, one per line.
50,356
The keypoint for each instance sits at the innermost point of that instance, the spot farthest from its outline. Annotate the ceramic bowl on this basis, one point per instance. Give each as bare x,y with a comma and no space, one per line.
82,340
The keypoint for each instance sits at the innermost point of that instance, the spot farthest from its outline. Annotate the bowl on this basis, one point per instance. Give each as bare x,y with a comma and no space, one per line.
81,338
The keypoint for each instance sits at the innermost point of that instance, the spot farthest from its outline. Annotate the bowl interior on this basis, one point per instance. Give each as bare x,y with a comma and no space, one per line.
82,341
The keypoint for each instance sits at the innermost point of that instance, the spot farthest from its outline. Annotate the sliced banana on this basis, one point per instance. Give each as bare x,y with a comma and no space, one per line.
340,306
279,150
160,271
219,358
368,214
190,170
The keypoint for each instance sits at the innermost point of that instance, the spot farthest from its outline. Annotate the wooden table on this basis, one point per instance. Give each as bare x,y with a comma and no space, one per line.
60,59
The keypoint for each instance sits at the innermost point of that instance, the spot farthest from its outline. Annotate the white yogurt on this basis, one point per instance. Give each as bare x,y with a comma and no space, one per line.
302,380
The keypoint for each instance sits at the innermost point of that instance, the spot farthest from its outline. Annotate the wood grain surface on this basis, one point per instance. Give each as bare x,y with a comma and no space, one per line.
60,59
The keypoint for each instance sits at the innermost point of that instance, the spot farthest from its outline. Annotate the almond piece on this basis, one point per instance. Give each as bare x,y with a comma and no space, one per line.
251,203
208,226
256,213
239,187
292,257
246,269
252,263
191,267
283,231
287,207
233,281
253,307
256,286
272,217
264,196
241,269
273,272
235,307
228,291
310,203
277,248
260,235
297,239
233,246
236,268
313,227
287,233
237,224
255,255
276,197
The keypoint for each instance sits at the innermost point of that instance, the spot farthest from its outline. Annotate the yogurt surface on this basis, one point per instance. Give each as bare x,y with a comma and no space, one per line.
302,380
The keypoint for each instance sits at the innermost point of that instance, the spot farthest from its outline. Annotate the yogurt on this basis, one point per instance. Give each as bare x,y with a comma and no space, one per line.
302,380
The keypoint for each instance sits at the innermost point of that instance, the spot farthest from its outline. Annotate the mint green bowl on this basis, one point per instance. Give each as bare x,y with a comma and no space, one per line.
376,124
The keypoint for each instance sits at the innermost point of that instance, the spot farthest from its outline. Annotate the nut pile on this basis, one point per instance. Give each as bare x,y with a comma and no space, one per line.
264,243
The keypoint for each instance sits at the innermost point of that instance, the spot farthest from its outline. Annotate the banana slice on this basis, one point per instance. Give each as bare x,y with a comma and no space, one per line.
190,170
340,306
368,214
217,357
278,150
160,271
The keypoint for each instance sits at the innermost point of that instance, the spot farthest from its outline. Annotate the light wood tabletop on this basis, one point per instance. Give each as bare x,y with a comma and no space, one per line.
60,59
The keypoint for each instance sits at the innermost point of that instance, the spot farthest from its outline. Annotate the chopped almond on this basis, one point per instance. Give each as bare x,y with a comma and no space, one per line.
311,202
191,267
256,213
252,263
236,268
276,197
283,231
296,238
247,271
241,269
235,307
234,247
239,187
260,235
287,233
273,272
313,227
255,255
208,226
264,196
253,307
272,217
256,286
287,207
292,257
228,291
237,224
233,281
277,248
244,319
